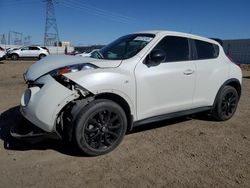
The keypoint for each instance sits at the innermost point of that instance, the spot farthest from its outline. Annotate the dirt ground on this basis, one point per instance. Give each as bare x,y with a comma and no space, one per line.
184,152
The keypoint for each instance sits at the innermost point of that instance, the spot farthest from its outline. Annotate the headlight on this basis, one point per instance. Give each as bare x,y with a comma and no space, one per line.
72,68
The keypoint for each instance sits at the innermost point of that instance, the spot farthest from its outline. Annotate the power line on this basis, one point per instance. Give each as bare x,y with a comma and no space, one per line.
101,10
96,11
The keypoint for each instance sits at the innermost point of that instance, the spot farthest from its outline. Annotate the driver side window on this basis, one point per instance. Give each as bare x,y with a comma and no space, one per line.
176,48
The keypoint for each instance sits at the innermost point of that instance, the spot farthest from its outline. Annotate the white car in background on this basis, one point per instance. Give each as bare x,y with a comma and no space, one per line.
92,53
139,78
2,53
28,51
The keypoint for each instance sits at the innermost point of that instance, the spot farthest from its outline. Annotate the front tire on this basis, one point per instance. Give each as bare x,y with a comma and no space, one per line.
100,127
226,104
14,57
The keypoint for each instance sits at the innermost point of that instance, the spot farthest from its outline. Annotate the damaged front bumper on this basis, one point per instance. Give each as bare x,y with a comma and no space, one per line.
28,132
41,104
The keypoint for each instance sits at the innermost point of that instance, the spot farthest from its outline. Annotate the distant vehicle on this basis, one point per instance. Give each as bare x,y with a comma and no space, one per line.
93,53
45,48
2,53
2,49
140,78
28,51
75,52
10,49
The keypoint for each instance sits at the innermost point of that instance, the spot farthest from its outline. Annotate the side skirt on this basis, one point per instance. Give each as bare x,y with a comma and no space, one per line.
171,115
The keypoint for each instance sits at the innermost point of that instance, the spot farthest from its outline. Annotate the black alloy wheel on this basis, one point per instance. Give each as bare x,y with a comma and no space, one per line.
226,104
100,127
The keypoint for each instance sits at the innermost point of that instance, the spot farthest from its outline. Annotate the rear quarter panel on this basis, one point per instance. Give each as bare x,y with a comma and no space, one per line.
210,76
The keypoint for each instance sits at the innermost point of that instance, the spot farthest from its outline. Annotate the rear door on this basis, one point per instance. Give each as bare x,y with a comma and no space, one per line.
211,72
33,51
169,86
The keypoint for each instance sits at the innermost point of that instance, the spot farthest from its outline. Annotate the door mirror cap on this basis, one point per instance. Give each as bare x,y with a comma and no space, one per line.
156,57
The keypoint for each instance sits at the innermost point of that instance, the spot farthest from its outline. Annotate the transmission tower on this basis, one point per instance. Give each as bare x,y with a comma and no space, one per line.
51,37
27,40
15,38
3,39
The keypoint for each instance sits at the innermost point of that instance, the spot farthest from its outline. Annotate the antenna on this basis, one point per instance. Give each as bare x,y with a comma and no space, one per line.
51,37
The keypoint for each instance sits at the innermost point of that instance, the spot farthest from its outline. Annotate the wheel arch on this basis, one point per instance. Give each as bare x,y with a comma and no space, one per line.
74,107
15,54
235,83
120,101
42,54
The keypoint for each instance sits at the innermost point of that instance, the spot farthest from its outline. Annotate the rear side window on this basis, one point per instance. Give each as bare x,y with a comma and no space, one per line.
176,48
206,50
33,48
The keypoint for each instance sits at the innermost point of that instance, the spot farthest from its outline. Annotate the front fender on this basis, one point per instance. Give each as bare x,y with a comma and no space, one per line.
111,80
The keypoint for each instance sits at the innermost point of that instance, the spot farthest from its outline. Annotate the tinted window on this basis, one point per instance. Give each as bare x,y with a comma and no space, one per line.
33,48
206,50
176,48
44,48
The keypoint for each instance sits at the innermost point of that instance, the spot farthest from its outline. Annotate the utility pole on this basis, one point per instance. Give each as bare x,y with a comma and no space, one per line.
51,37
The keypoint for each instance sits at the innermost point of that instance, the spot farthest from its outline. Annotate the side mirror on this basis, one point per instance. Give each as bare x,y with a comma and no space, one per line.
156,57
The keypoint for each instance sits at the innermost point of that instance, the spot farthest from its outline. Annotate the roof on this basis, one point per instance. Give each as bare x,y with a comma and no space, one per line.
175,33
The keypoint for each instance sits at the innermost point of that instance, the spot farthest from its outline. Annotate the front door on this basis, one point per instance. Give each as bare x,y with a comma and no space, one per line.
169,86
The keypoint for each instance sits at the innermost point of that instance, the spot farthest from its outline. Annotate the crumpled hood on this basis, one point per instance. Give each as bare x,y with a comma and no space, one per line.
53,62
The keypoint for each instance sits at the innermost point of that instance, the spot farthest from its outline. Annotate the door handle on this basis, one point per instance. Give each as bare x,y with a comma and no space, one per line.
188,72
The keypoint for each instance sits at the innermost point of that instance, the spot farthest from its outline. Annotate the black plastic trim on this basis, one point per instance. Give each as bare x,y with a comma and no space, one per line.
171,115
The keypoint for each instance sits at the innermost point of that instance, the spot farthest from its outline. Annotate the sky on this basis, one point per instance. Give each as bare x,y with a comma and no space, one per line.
87,22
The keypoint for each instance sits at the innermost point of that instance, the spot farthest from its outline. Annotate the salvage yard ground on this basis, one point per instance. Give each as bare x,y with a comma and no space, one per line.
185,152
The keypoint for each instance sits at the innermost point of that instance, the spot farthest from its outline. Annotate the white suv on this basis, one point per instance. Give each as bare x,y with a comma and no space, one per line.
139,78
2,53
28,51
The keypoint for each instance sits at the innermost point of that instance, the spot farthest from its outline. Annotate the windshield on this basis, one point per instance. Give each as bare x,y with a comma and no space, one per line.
124,47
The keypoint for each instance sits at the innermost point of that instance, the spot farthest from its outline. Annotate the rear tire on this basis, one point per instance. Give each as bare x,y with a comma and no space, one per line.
100,127
226,104
41,56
